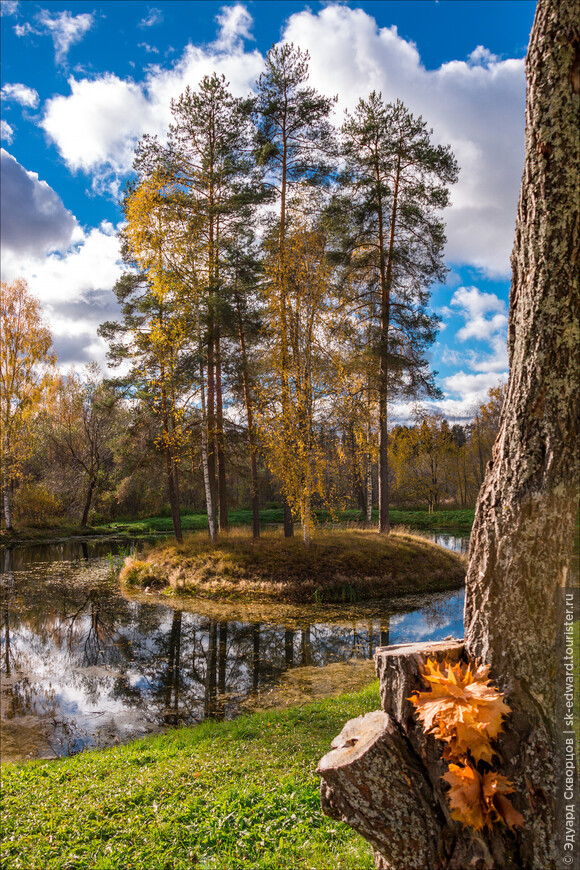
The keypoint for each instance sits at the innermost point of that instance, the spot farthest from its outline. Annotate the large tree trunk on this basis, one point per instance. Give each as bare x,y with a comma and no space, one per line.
88,501
221,453
521,543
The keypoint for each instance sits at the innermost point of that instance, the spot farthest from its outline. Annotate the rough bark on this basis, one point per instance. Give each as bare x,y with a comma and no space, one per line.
221,453
521,543
383,778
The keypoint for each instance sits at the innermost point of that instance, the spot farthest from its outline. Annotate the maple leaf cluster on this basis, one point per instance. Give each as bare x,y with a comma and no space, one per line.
464,711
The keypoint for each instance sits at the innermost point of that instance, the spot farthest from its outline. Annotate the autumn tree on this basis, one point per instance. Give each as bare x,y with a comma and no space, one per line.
290,419
27,367
388,777
209,158
395,184
294,140
82,426
154,335
421,457
246,304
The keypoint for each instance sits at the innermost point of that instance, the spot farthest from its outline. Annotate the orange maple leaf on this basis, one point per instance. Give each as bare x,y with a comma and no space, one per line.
479,801
461,708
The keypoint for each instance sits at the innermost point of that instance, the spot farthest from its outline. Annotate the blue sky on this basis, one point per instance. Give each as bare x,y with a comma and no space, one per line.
81,82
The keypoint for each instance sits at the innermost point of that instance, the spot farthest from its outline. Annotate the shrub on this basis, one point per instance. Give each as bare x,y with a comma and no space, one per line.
35,506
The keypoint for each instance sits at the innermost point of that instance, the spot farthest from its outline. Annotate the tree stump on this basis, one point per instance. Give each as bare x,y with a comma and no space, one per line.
382,777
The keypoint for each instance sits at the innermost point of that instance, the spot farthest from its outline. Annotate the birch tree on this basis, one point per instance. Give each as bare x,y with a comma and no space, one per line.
27,372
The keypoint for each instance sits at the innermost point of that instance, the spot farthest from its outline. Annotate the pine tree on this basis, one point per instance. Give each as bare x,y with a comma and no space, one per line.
395,183
294,140
210,162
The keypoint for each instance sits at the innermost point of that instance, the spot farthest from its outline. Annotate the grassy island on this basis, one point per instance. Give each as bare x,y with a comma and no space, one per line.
347,565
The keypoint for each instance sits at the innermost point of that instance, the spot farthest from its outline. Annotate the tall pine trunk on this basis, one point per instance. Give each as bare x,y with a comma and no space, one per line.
386,278
209,491
221,453
249,417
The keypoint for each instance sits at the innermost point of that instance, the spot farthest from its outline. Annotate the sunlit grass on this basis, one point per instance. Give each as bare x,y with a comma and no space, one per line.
241,794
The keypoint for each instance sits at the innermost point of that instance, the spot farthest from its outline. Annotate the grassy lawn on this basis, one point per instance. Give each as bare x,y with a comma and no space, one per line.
339,565
459,520
229,795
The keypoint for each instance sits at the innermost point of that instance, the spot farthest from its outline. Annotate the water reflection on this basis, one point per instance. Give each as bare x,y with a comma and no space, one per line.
83,666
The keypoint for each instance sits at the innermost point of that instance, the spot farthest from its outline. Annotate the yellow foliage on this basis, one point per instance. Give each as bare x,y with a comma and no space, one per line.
464,711
478,800
461,709
27,373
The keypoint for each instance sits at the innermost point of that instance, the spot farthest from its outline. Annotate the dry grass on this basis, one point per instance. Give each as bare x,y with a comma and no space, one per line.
347,565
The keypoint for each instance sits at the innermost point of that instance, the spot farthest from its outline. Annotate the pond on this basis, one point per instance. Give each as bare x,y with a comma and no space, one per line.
84,666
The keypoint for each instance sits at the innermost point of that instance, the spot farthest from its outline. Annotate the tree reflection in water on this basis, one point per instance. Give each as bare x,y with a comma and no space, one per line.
83,666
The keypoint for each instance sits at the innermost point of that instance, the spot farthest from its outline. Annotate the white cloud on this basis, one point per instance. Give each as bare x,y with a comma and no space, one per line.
66,29
235,24
23,29
473,388
8,7
150,49
6,131
477,109
75,288
96,127
154,16
485,322
474,305
20,93
482,55
98,123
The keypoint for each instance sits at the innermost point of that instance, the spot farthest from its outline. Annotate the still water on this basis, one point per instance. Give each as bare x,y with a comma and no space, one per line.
83,666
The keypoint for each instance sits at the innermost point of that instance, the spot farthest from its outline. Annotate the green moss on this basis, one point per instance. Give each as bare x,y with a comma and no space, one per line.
240,794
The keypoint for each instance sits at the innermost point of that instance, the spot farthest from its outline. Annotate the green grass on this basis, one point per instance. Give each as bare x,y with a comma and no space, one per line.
462,520
339,565
459,520
240,794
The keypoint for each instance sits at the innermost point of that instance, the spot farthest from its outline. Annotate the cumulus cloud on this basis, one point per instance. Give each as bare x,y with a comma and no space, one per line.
95,128
6,131
477,107
34,219
20,94
153,17
75,288
150,49
235,23
482,55
65,29
485,313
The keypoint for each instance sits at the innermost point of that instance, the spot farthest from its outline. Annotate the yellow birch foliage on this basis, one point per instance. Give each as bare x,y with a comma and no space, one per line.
297,379
27,373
